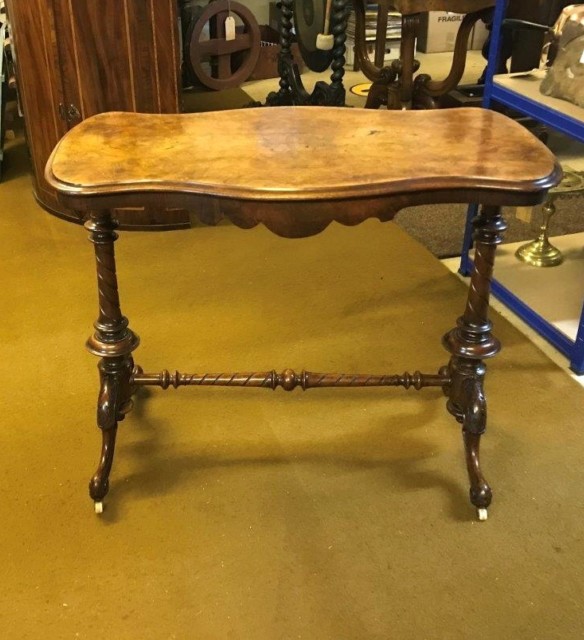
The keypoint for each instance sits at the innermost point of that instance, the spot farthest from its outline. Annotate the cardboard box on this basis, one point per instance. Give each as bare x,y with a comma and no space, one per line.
391,52
267,64
438,31
480,33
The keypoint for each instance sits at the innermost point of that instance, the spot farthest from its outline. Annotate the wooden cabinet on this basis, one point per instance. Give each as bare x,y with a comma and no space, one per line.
76,58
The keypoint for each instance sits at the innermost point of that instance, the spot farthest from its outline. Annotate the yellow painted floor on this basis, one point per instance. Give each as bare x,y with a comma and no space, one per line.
251,514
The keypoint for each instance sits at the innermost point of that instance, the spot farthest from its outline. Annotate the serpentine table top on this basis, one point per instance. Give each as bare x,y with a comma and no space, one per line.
265,165
296,170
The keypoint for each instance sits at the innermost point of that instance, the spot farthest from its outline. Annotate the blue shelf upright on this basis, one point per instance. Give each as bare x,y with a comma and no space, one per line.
519,95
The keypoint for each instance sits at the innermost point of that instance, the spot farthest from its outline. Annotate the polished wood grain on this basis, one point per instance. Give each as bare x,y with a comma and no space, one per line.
77,58
40,88
298,154
288,380
118,55
296,170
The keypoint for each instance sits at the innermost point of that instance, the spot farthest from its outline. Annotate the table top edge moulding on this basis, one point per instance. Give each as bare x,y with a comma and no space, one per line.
369,155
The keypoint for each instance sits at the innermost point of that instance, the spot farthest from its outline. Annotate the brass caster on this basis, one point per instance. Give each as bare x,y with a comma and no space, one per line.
98,506
482,514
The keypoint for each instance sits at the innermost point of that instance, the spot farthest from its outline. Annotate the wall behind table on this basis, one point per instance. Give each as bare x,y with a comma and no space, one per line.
259,8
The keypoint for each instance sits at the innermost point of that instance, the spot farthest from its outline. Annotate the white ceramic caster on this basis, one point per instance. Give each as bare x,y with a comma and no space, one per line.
98,506
483,514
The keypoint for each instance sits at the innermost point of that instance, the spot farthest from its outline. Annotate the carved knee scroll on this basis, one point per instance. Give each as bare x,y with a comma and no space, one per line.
467,403
114,342
469,343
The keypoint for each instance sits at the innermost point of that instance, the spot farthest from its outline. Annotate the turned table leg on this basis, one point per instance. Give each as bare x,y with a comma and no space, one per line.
114,343
469,343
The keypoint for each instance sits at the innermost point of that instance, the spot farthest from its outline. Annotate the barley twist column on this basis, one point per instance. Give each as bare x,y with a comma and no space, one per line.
469,344
285,57
339,29
114,343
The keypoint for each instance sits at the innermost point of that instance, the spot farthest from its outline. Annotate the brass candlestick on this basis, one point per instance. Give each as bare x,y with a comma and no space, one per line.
541,252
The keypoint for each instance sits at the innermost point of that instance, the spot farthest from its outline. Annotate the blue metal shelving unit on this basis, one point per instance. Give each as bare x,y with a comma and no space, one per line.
557,119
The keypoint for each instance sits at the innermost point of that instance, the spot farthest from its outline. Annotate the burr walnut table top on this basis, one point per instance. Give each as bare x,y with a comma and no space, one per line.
296,170
289,167
299,153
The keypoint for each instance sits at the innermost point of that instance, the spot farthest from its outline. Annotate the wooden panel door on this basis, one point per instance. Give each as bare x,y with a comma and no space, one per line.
118,55
39,85
76,58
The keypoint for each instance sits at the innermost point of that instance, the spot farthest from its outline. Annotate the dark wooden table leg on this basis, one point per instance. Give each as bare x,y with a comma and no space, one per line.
408,63
469,344
114,343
